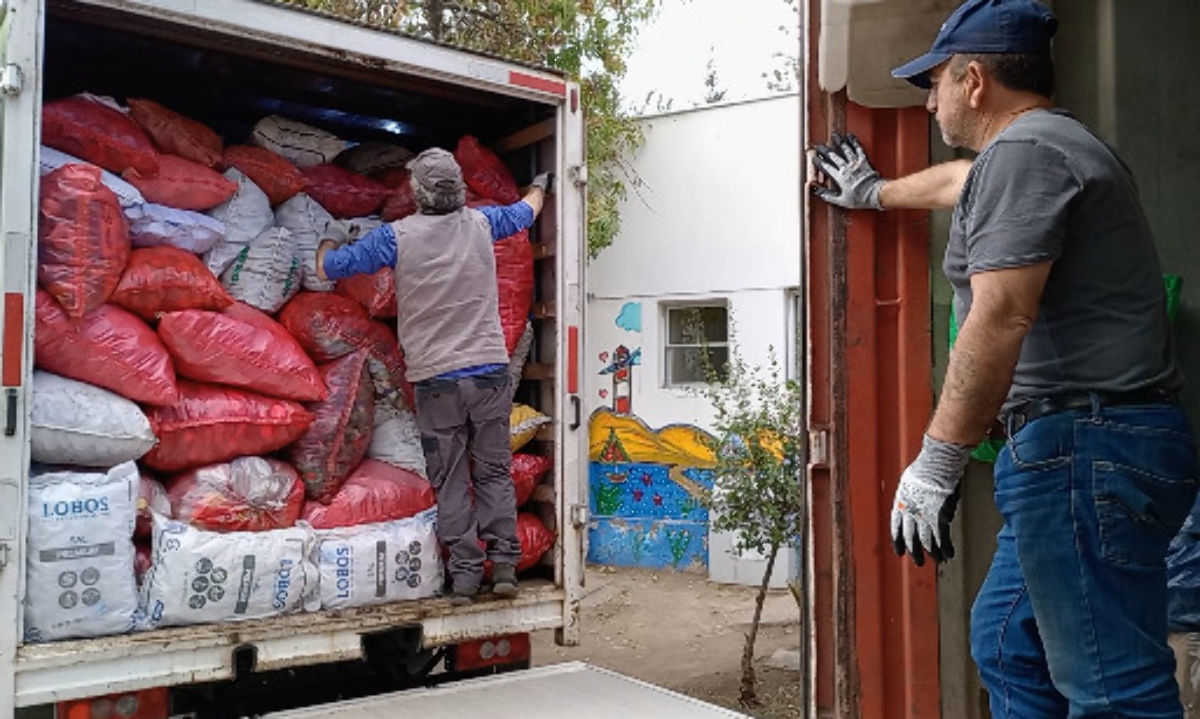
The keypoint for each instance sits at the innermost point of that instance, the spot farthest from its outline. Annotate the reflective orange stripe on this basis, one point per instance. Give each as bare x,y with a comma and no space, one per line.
14,333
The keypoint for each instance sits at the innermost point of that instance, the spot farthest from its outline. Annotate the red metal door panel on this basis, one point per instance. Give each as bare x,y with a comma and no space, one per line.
869,370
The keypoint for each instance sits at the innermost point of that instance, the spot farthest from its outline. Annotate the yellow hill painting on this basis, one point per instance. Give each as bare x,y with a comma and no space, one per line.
624,439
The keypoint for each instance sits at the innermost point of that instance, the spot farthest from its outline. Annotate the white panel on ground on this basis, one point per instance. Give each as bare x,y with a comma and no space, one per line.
575,689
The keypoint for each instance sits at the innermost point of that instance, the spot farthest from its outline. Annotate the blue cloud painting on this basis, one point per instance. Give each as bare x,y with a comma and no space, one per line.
630,318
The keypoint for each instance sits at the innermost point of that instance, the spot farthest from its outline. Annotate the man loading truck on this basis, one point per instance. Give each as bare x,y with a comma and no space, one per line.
448,323
1064,336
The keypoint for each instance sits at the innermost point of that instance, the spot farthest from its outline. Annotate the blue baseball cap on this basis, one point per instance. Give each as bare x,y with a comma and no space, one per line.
985,27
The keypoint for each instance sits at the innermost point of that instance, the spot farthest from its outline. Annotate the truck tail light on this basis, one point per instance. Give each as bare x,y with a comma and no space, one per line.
494,651
145,704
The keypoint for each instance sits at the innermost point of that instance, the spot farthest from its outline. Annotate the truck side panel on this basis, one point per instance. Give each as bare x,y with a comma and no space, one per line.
20,85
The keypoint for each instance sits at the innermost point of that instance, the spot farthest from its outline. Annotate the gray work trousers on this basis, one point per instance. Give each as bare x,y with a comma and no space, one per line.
457,416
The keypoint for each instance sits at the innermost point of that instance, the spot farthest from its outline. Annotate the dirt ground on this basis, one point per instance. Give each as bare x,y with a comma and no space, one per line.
684,633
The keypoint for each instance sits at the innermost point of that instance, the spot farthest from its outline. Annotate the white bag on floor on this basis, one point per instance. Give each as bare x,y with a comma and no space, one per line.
265,274
303,144
309,223
76,423
151,225
246,216
79,578
396,438
380,563
129,196
198,577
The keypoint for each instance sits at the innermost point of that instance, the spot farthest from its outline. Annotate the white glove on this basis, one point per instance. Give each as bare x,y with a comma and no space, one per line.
926,500
545,181
855,182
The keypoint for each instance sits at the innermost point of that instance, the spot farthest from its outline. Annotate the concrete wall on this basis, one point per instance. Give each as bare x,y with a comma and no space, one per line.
716,218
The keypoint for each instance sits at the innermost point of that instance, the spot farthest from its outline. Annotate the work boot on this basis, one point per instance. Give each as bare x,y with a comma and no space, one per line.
463,596
504,580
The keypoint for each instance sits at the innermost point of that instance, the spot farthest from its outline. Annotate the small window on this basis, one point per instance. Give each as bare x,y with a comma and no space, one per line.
697,343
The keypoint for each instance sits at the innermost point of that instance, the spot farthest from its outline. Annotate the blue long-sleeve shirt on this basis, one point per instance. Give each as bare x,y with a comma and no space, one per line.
377,249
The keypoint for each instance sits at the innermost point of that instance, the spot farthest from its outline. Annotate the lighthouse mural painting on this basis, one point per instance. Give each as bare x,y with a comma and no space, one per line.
645,483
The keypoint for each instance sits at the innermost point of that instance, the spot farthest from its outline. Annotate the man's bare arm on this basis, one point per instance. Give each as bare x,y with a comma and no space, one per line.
1003,309
934,188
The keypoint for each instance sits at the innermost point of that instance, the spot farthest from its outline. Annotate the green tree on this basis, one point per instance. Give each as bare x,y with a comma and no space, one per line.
587,39
759,442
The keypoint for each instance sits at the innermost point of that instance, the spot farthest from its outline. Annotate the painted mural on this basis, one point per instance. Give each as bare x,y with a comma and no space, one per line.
646,487
645,484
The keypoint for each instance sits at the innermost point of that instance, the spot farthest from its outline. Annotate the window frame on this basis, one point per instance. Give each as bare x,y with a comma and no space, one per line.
665,310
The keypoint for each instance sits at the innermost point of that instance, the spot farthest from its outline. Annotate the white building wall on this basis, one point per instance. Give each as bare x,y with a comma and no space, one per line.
716,218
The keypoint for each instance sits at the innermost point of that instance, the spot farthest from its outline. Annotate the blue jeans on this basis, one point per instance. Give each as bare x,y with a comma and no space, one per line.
1072,618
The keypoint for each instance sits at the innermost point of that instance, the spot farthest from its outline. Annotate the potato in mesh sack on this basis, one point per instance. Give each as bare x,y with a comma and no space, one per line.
183,184
87,128
330,327
344,193
514,282
50,160
302,144
485,173
211,424
166,279
374,492
274,174
309,223
247,494
336,442
246,216
396,438
371,157
83,239
176,134
266,273
110,348
79,424
241,347
152,225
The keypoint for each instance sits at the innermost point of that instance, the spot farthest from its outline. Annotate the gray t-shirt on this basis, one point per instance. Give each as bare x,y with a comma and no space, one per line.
1048,189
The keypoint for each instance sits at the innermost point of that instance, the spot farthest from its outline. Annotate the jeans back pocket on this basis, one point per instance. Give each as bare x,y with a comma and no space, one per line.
1139,512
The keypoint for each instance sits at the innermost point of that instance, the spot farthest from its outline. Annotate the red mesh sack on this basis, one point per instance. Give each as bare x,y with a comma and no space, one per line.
535,540
83,239
338,438
484,173
249,494
514,282
330,327
97,133
401,202
527,471
177,135
183,184
211,424
240,347
375,292
152,498
375,492
167,279
343,193
274,174
143,559
110,348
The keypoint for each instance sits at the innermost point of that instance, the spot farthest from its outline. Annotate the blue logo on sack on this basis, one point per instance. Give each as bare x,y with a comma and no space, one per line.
89,507
283,582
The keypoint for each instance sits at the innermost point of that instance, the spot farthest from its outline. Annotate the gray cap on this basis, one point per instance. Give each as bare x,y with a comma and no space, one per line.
437,181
